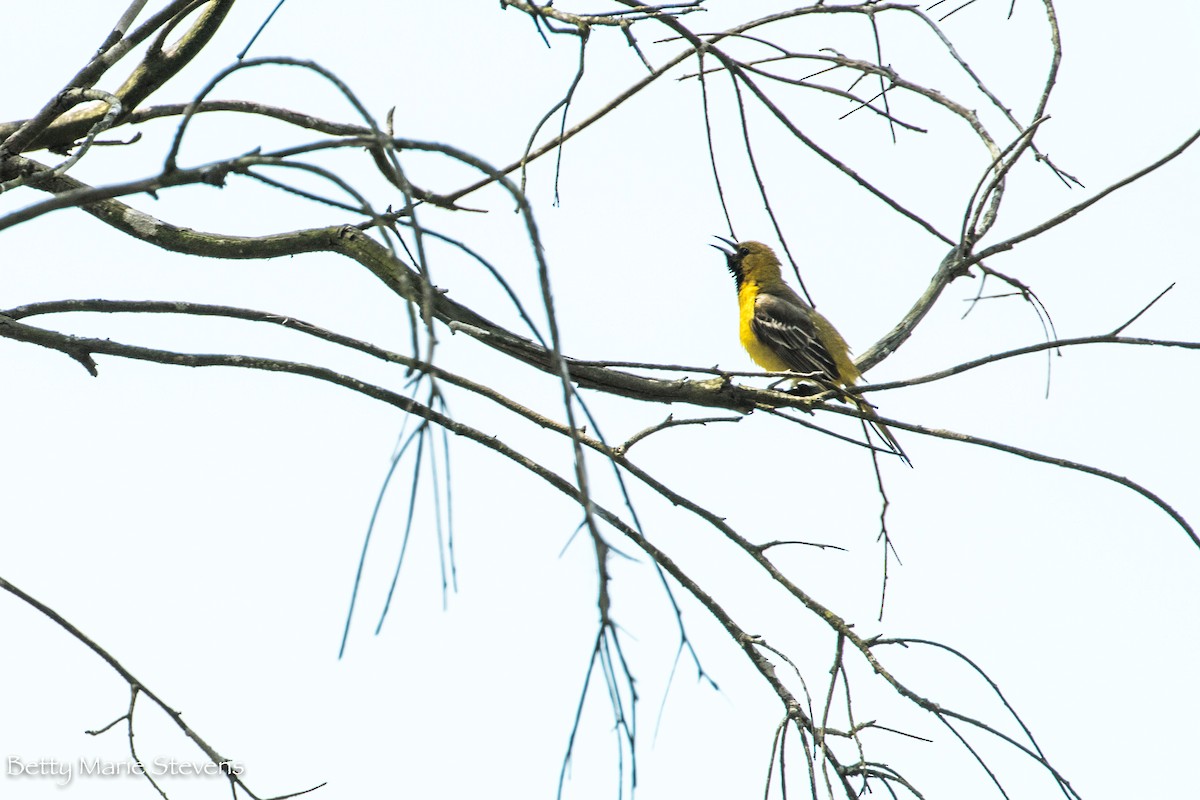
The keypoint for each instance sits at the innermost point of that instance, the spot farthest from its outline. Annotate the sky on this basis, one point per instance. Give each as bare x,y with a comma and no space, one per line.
204,526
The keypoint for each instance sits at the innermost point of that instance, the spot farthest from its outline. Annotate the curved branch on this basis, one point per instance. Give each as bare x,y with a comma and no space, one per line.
1056,344
1031,455
51,128
135,685
1058,219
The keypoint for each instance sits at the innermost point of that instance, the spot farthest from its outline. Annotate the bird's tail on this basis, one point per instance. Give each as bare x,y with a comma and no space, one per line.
884,432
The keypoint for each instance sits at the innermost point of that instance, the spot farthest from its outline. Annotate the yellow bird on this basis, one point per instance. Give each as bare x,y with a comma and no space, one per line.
782,333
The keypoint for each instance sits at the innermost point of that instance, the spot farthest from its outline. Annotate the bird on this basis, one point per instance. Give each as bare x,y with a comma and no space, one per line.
783,333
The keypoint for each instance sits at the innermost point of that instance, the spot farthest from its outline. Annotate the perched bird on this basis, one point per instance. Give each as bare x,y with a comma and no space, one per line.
783,333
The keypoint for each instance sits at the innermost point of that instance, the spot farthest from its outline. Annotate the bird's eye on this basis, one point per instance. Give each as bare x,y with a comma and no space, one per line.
743,252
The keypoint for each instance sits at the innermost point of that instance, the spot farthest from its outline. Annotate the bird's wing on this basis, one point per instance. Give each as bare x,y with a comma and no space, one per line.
786,325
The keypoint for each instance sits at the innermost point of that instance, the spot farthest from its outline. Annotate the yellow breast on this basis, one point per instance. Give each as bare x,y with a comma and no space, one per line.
763,355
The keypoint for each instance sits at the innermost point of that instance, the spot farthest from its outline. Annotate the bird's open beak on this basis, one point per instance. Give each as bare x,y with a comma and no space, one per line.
732,246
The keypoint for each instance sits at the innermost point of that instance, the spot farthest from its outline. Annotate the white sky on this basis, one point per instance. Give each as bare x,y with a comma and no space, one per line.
204,525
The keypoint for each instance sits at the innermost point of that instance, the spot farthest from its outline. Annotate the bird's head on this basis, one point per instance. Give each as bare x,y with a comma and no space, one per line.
749,260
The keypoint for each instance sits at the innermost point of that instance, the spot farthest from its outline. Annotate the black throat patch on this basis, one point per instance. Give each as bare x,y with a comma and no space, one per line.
733,263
